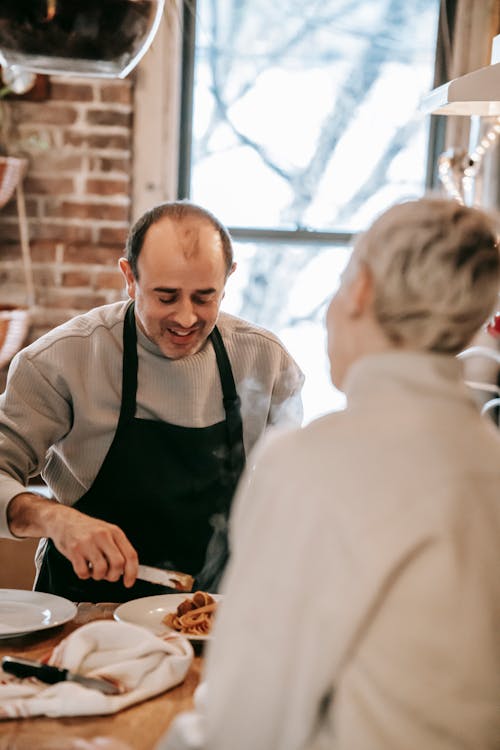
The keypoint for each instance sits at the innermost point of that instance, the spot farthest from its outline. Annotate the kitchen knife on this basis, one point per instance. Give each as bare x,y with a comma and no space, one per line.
172,578
46,673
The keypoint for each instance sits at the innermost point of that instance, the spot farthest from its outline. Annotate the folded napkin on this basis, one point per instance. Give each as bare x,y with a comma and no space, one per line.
140,663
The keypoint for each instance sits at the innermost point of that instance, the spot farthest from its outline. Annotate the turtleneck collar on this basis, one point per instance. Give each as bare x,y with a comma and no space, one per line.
399,374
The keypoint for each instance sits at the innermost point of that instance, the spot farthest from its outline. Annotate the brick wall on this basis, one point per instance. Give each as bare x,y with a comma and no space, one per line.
78,197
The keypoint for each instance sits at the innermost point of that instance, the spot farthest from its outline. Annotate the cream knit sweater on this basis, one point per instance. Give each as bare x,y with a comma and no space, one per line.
367,617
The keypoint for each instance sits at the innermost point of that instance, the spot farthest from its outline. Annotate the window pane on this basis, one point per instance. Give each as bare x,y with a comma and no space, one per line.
286,289
305,113
305,116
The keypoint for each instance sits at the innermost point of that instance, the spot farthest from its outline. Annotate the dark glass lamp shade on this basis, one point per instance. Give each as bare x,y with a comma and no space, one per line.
103,38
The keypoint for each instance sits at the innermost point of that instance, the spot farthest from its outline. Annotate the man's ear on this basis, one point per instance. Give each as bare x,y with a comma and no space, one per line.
231,270
360,291
130,279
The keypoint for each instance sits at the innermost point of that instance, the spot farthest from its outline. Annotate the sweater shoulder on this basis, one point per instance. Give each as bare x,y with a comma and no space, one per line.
237,329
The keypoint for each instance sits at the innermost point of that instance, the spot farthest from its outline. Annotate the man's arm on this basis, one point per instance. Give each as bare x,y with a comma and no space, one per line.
286,401
34,415
96,549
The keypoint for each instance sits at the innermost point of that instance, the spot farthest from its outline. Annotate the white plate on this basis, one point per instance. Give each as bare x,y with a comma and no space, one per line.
150,611
24,612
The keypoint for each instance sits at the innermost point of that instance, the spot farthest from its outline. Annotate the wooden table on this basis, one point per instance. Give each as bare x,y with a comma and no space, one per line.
136,728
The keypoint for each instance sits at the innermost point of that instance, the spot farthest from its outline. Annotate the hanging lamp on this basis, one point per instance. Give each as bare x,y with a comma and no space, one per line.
103,38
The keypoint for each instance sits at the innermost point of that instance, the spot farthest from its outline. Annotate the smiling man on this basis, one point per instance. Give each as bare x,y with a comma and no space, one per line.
140,415
177,292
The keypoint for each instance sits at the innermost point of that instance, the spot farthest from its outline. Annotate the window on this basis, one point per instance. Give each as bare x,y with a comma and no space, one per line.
302,125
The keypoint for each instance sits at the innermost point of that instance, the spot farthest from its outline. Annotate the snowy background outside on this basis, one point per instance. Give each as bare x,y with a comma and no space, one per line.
306,117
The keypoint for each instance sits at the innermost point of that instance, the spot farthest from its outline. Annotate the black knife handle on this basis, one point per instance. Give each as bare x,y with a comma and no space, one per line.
30,668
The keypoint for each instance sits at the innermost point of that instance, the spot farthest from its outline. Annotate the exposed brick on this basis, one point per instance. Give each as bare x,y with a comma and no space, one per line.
108,187
11,275
74,138
10,208
115,141
70,299
8,251
10,232
107,117
34,140
8,217
112,236
44,276
13,295
54,162
110,280
46,318
77,92
43,251
40,253
52,185
107,256
47,113
63,232
117,94
117,294
104,164
76,278
102,212
72,271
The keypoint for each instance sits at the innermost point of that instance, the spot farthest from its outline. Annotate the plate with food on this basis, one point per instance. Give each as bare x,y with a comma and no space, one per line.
191,615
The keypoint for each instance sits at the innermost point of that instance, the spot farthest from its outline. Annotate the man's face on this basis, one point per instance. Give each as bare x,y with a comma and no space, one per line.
180,284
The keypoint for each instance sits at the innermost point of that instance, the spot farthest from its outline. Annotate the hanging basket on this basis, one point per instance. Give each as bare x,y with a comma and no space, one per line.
14,326
12,171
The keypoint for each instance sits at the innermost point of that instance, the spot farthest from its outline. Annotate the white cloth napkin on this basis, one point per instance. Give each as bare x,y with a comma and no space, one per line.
142,664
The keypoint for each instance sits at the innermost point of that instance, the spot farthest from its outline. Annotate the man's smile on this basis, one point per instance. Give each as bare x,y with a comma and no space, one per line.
180,333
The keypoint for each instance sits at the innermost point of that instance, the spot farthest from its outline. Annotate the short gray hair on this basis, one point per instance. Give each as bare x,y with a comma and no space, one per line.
436,271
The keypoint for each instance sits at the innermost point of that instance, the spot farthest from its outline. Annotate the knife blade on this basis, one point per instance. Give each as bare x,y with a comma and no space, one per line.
174,579
50,675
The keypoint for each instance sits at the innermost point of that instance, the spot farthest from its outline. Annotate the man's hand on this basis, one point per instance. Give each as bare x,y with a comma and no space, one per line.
95,548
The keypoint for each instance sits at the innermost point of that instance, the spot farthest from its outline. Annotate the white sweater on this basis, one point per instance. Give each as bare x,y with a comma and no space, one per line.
60,408
367,616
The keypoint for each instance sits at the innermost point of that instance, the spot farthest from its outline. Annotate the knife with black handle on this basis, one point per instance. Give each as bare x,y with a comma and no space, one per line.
50,675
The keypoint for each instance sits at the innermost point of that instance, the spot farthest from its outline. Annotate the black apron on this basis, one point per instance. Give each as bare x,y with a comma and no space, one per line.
169,488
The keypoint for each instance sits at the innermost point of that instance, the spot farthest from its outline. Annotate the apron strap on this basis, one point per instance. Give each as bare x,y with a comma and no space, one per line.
129,368
232,403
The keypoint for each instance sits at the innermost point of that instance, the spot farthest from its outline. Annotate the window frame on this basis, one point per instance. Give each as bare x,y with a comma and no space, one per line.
436,140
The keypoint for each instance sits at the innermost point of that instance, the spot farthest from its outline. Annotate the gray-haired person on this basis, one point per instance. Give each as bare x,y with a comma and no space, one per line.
139,416
370,619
